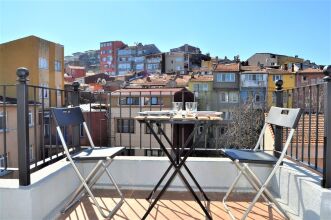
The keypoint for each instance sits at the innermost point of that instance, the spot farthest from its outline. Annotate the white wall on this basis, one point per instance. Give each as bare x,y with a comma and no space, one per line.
50,187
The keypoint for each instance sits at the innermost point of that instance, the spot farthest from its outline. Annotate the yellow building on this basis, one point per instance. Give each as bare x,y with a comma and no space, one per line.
44,59
288,83
202,87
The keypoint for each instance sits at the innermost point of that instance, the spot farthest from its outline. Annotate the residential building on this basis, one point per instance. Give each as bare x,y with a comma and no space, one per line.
8,132
155,63
226,83
89,59
108,56
288,83
253,86
43,58
309,76
175,62
75,71
186,48
125,105
132,58
202,87
273,60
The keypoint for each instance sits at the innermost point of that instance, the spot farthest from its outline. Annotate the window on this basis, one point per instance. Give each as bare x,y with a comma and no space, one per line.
30,119
130,101
57,66
154,100
230,97
140,66
228,115
179,59
125,125
255,77
224,97
3,121
109,58
155,128
276,77
225,77
43,63
200,87
257,98
233,97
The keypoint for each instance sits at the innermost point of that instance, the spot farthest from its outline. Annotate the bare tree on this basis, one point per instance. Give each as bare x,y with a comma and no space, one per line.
245,128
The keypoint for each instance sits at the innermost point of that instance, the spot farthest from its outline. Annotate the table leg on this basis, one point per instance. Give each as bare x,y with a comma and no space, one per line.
177,170
159,183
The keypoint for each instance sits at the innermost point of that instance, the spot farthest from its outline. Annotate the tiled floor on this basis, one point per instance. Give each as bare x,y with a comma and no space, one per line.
172,206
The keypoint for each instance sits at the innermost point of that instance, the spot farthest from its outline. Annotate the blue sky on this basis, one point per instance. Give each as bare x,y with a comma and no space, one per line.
222,28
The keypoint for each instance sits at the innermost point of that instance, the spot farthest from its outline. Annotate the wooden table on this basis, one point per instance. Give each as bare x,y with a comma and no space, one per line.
178,161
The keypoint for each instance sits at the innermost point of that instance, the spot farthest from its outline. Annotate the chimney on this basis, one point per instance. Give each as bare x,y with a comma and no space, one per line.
292,67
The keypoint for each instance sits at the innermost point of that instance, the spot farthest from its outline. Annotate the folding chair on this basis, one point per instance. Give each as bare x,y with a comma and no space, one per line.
101,155
283,117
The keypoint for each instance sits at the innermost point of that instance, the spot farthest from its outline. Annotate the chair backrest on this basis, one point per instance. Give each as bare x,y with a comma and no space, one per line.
284,117
68,116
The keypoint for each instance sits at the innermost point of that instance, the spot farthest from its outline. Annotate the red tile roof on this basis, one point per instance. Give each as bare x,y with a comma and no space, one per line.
310,70
231,67
205,78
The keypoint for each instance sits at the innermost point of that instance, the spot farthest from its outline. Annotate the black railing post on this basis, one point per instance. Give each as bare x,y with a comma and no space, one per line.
278,129
75,102
326,182
23,126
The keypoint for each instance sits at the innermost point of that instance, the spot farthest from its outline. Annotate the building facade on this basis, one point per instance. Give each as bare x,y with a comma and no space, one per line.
288,78
273,60
108,56
44,59
155,63
132,58
226,84
253,88
202,87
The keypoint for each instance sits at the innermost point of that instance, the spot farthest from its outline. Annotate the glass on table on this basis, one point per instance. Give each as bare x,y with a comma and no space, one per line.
191,107
177,107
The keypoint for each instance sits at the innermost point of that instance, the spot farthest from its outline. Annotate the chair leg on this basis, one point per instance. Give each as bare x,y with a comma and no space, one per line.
72,200
261,190
268,193
228,193
88,183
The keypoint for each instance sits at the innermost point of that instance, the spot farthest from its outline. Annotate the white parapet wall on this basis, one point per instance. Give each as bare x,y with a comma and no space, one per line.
51,186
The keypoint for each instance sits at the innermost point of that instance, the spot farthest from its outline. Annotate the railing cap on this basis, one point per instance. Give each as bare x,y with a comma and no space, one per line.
279,84
22,74
75,85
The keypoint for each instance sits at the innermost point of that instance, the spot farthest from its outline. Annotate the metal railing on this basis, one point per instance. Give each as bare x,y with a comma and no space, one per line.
310,145
110,117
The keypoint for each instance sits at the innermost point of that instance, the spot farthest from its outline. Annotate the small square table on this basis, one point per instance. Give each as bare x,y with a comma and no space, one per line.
202,119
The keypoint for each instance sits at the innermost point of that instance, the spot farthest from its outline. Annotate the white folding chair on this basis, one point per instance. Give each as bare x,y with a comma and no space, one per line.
100,155
284,117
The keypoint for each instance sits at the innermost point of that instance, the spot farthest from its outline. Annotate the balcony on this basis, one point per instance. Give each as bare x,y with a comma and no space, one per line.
42,194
